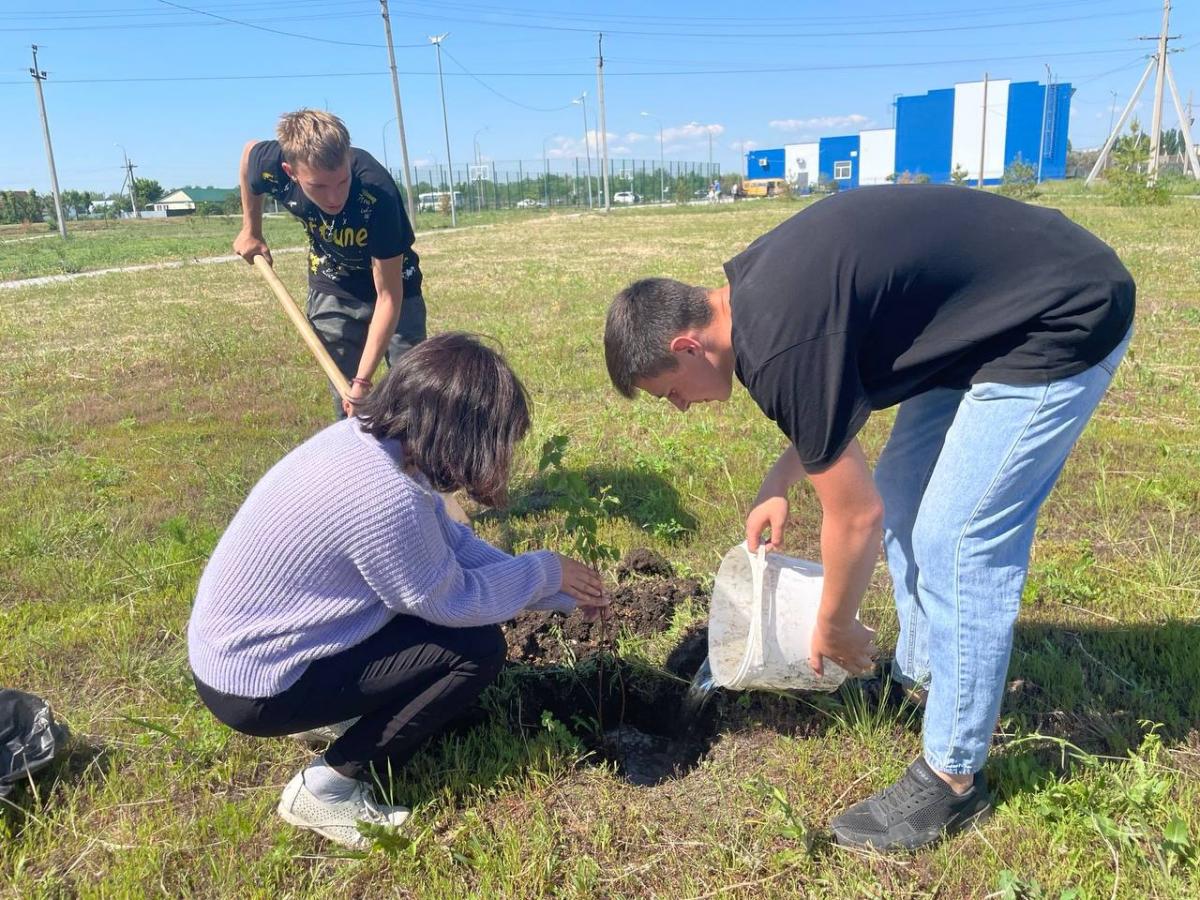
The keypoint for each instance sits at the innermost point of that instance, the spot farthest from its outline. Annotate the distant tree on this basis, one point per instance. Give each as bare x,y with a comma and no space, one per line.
232,205
76,203
959,175
148,190
1172,142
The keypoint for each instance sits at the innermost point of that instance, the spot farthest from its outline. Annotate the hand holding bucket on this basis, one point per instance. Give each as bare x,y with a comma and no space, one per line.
764,609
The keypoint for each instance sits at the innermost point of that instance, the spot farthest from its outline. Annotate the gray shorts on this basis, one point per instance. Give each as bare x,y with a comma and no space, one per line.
342,326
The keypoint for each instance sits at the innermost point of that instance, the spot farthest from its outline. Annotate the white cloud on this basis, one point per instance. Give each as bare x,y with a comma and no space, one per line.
564,147
820,123
692,132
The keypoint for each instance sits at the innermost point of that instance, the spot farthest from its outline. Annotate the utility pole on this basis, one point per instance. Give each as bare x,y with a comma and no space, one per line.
436,40
1159,83
1161,63
129,167
983,131
582,99
603,124
408,191
1042,140
38,77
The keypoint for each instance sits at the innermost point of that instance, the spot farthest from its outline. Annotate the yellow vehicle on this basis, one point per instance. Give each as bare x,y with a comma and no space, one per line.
763,187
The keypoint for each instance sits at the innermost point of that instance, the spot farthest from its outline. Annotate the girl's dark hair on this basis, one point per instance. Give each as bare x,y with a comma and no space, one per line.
458,409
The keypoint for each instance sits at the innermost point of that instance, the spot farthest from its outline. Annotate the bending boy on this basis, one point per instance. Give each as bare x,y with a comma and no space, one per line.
997,327
364,280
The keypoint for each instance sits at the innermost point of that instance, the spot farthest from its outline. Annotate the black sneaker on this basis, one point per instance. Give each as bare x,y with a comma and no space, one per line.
918,809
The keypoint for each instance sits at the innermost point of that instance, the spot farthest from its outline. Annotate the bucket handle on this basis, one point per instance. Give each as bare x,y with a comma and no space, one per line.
752,658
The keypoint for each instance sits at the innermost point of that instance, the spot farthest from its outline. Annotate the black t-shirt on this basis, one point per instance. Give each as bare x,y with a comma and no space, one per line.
372,224
874,295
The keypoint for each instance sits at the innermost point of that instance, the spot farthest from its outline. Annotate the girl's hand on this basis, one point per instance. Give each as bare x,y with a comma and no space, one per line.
583,584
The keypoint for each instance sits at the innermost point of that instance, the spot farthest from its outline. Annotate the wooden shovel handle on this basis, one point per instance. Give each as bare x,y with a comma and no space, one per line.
332,372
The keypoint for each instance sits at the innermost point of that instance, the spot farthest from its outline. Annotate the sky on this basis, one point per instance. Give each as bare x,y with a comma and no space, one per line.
181,86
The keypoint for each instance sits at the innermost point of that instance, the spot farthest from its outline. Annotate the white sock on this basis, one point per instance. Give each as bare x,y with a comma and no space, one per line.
327,784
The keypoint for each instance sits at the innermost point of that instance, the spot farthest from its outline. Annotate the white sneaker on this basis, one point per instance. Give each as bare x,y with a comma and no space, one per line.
324,734
337,821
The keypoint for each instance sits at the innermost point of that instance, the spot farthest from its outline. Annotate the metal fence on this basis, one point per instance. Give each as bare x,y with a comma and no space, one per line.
561,182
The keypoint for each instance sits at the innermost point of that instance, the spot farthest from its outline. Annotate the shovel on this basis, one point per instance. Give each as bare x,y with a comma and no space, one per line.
332,372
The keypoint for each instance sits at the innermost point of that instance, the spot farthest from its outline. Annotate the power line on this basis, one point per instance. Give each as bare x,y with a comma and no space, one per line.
503,97
172,78
595,19
777,34
270,30
193,24
839,67
154,13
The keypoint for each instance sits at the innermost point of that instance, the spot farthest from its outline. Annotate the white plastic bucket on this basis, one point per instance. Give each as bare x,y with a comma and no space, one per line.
760,625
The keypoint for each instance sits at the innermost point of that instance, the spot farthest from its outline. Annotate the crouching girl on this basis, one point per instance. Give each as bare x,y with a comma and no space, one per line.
341,589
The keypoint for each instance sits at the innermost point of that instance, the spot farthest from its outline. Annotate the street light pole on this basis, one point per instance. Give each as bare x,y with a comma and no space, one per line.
582,99
436,40
1045,112
546,170
662,184
383,137
478,162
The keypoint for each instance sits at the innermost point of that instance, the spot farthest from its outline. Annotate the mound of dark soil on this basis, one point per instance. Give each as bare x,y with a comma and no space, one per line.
648,722
643,603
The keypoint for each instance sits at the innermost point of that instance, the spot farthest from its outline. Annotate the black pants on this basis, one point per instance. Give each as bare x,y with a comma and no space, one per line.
406,681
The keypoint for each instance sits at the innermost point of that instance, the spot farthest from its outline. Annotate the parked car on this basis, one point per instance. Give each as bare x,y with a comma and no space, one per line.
528,203
432,201
625,197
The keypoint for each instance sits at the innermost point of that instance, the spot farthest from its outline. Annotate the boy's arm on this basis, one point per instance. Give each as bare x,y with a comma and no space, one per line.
249,243
389,291
851,529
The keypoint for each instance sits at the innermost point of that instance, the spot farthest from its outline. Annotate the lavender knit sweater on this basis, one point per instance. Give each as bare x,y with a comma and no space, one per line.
332,543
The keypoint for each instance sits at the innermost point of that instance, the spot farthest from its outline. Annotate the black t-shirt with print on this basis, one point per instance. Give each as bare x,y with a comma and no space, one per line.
372,224
875,295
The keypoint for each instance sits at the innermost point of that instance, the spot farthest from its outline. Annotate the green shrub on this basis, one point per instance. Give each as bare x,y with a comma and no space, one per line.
1128,184
1019,181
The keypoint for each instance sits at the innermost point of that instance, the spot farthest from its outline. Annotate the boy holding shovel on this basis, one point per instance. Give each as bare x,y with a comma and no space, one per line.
997,327
364,281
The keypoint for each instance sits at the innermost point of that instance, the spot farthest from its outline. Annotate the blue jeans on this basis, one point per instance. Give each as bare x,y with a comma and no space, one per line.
962,477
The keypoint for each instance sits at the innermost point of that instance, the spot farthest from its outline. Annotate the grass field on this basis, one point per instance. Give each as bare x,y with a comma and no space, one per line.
137,410
36,250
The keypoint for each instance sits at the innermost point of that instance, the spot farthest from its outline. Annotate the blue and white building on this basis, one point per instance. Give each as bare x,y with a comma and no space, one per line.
935,133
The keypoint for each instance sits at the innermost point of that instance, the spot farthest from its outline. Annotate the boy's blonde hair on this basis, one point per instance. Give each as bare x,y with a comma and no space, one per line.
313,137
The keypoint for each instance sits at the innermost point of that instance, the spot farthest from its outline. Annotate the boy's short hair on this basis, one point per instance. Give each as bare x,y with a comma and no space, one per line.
642,321
313,137
459,411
